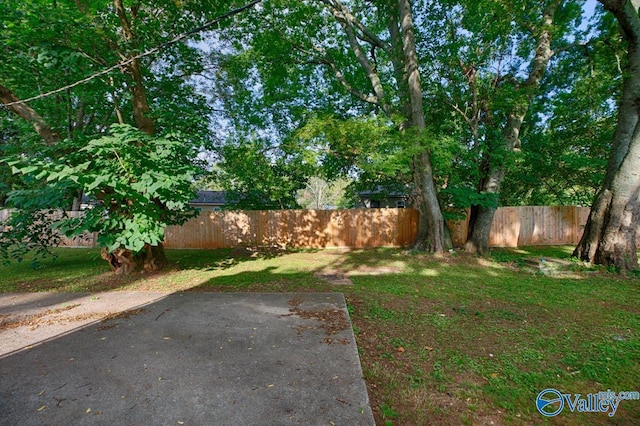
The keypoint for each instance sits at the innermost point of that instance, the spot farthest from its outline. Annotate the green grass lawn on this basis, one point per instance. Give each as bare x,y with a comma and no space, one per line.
459,340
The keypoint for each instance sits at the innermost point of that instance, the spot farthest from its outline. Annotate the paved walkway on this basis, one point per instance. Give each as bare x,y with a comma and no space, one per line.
184,358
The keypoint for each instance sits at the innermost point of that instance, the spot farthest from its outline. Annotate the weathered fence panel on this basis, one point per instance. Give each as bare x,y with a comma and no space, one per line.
537,225
358,228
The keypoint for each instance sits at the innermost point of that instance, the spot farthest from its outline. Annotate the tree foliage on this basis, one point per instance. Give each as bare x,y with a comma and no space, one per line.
565,148
257,176
141,182
460,104
137,185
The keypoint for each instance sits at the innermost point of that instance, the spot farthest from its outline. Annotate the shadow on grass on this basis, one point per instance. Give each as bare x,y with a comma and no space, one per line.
83,270
220,259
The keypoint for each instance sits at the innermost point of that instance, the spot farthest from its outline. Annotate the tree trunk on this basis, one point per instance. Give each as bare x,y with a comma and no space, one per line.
141,110
478,233
480,226
610,235
124,261
428,203
154,258
76,205
400,72
431,222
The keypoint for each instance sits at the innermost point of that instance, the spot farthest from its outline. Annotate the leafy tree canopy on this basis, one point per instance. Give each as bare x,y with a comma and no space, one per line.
137,185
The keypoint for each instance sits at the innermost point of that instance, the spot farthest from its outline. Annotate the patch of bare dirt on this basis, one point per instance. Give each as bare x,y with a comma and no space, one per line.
333,277
333,320
375,270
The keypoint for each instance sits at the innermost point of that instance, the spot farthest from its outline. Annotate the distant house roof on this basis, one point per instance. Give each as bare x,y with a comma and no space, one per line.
209,197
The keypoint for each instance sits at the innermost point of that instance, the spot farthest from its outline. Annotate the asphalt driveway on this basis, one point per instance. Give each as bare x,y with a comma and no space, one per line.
180,359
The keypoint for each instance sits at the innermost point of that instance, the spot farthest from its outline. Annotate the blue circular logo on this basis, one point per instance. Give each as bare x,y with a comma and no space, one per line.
549,402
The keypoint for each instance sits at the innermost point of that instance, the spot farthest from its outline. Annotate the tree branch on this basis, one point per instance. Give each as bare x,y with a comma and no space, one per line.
27,113
372,74
141,55
342,13
320,56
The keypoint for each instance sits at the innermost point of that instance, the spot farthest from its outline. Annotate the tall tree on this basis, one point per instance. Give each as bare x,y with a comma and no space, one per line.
428,203
611,231
296,50
489,66
491,181
124,173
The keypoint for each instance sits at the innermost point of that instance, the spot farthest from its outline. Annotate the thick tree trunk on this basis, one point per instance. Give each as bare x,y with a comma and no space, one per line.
480,227
124,262
141,110
431,222
154,258
479,230
429,205
610,235
611,232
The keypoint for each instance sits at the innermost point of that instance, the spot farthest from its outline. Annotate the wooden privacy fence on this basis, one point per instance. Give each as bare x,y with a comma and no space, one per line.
360,228
530,226
534,226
